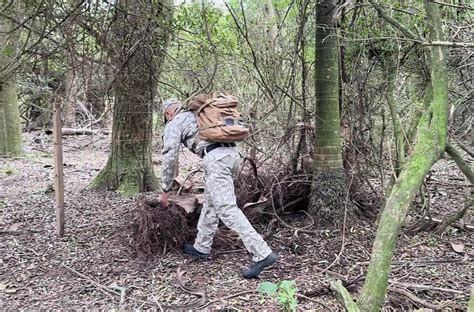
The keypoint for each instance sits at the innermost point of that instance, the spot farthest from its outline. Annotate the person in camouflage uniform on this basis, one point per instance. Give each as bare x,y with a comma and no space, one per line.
220,163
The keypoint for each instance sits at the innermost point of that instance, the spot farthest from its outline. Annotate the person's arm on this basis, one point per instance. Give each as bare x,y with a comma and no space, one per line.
169,156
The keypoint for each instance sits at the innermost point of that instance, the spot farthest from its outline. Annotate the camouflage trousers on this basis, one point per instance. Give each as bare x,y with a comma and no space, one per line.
220,165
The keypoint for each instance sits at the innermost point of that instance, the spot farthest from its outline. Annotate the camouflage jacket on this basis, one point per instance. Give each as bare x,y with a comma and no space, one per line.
182,128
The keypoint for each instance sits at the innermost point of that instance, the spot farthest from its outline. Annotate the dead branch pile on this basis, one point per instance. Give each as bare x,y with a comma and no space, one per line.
155,228
261,197
269,194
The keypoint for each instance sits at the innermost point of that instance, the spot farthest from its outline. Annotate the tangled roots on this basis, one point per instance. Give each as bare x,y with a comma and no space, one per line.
155,228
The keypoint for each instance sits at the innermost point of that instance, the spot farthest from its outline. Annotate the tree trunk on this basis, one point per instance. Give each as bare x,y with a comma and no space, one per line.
141,32
398,131
72,82
71,97
10,127
430,144
329,189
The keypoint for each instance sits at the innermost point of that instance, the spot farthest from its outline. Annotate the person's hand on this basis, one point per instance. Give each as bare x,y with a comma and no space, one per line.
165,198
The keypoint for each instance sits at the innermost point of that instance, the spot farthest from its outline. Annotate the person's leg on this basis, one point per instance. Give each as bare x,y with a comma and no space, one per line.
207,225
221,165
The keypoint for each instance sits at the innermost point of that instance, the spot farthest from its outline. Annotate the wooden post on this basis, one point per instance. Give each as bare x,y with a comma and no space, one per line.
58,168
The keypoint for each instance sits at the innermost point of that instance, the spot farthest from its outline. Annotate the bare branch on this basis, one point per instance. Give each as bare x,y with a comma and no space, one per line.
407,32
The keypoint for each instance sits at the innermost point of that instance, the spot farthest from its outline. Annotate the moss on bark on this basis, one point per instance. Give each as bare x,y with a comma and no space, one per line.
10,128
11,144
129,169
431,141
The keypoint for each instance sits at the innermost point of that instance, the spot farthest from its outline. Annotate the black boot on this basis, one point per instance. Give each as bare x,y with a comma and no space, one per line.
255,269
189,250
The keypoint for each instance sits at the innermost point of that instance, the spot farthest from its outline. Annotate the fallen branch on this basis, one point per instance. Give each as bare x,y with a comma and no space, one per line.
343,296
424,262
313,300
361,278
449,220
227,297
179,274
425,287
98,285
425,224
460,162
414,298
79,131
466,149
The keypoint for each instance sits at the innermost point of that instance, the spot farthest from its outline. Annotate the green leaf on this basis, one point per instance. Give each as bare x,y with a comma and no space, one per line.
9,50
268,288
287,286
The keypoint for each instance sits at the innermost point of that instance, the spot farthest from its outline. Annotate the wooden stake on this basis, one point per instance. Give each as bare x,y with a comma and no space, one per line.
58,169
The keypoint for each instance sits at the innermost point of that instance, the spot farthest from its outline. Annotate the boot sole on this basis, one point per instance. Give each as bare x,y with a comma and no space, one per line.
260,266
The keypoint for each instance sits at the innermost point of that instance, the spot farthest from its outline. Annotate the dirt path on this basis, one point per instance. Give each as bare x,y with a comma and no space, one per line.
40,271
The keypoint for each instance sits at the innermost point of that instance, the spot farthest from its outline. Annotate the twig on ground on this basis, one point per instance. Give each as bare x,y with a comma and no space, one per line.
426,287
110,292
245,292
313,300
414,298
157,303
457,215
424,262
99,286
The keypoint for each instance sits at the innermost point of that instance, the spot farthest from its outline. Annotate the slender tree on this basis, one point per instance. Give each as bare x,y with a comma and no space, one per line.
137,44
72,78
10,128
430,144
328,191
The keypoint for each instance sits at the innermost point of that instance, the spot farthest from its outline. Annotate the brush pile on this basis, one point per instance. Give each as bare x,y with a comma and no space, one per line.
156,228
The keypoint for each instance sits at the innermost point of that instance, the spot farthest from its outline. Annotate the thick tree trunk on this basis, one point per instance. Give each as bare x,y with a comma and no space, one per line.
430,145
140,37
10,131
10,127
329,189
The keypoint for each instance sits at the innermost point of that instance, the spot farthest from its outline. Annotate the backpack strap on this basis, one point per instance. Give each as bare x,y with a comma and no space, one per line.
203,106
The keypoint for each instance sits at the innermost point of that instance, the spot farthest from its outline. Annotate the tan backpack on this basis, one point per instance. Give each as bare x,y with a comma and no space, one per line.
218,119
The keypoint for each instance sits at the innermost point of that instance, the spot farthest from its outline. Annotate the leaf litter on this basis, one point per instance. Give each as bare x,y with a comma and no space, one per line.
98,244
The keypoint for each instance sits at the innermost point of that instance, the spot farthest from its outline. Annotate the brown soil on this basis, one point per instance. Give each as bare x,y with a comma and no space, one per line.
38,270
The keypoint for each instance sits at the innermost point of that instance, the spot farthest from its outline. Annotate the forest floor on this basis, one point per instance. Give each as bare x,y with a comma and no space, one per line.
38,270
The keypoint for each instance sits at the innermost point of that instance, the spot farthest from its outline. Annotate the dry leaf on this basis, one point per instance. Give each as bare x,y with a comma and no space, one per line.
185,201
200,198
14,227
459,248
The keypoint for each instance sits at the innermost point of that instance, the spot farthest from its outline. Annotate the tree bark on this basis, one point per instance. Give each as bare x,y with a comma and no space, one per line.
328,192
72,82
71,96
140,37
430,145
398,131
10,128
